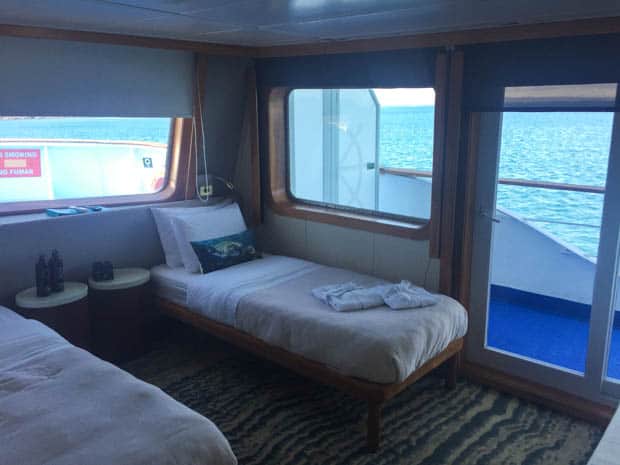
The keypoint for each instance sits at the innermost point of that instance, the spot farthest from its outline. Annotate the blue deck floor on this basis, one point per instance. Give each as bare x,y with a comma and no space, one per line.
543,328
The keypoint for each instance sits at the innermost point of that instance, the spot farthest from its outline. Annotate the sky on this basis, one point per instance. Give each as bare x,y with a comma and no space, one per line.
405,97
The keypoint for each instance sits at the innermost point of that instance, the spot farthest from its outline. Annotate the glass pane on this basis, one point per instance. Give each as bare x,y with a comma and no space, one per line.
367,149
72,158
613,360
545,242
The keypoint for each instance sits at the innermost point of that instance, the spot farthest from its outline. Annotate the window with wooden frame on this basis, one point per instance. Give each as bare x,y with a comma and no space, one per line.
92,123
358,157
58,161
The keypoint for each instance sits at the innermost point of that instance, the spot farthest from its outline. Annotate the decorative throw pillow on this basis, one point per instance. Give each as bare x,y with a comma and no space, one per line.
223,252
204,226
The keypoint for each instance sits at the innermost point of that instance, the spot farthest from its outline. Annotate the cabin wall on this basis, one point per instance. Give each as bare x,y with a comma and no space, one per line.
125,236
388,257
223,112
62,78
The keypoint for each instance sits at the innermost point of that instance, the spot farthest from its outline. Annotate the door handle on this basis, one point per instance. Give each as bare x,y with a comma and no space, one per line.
486,214
370,166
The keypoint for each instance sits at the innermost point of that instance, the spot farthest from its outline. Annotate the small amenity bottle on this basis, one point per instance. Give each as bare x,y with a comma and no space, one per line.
57,276
42,277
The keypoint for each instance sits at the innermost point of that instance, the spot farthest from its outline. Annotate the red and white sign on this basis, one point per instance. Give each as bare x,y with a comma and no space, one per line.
20,163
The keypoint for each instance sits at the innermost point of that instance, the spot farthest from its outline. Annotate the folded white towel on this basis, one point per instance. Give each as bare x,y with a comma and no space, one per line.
406,295
322,292
357,299
350,296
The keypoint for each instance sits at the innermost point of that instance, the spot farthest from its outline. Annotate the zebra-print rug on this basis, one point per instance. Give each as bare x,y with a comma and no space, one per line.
271,416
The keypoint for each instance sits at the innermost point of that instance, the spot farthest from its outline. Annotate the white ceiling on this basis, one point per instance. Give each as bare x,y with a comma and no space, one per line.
276,22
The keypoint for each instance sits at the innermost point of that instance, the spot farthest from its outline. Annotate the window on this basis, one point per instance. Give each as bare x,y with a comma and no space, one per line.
55,158
366,150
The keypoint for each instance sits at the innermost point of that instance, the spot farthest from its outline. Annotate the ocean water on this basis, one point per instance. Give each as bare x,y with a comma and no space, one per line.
135,129
559,147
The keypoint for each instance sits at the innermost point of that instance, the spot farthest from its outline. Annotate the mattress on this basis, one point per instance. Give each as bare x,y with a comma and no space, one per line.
271,299
61,405
171,283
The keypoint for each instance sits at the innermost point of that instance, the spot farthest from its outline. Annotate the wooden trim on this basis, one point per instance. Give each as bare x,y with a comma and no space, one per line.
282,203
255,172
469,213
375,393
582,27
122,39
174,190
550,30
439,138
352,220
555,399
449,180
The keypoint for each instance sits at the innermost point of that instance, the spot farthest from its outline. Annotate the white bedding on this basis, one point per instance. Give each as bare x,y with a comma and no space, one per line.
61,405
271,299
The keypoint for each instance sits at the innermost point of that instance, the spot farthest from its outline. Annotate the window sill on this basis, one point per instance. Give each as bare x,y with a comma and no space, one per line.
407,230
21,218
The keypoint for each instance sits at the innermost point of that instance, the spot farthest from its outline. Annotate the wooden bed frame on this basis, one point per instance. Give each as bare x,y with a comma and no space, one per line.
375,394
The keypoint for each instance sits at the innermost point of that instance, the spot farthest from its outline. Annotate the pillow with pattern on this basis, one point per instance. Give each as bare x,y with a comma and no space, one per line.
223,252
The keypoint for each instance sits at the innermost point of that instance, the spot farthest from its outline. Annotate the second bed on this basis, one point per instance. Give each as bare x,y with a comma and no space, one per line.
267,306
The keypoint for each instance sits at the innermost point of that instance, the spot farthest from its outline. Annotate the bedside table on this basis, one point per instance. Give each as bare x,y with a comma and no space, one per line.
66,312
118,310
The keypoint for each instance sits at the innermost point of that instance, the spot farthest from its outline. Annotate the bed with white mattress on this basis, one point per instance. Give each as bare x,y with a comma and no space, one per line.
61,405
266,306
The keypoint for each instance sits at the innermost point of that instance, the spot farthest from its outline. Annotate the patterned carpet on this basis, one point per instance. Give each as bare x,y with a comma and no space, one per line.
271,416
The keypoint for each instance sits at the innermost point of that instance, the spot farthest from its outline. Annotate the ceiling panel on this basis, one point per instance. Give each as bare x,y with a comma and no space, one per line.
173,6
78,14
270,12
178,26
275,22
453,15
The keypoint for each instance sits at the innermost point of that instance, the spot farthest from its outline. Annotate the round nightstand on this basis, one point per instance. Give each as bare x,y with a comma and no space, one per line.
66,311
118,310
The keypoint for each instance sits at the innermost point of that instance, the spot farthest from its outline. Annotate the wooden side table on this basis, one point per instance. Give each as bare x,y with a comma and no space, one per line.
66,312
119,311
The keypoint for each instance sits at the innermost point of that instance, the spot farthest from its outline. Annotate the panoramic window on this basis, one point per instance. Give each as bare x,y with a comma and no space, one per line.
54,158
369,150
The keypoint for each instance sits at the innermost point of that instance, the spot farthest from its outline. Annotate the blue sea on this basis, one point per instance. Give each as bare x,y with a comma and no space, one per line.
559,147
135,129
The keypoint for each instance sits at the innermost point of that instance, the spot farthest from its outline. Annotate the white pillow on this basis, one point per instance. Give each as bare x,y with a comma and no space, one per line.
163,221
202,226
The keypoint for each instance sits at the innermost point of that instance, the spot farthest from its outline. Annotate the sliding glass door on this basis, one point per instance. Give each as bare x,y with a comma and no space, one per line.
545,248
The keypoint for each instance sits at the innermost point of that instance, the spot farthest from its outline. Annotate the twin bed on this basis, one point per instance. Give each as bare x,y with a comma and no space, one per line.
266,306
61,405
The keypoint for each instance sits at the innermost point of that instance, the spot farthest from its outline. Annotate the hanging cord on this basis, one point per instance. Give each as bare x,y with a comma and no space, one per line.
203,139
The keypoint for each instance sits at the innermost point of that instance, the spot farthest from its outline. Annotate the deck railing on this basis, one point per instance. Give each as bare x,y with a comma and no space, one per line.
507,181
411,173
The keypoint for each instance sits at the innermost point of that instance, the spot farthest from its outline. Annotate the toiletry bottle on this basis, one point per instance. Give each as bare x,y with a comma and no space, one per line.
57,276
42,277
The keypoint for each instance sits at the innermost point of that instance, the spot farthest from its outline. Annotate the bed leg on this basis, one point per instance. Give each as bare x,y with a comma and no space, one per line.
452,368
373,427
